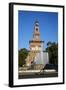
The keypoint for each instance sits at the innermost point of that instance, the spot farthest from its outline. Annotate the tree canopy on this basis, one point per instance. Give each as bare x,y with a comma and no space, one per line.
22,56
52,49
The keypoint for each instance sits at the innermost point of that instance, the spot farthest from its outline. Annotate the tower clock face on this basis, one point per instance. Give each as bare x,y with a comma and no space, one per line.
37,29
36,36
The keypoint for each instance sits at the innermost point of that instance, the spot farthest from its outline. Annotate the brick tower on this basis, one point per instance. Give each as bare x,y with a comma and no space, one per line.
34,44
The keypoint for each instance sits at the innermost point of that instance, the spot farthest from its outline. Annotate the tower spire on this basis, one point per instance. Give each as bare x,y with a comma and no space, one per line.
36,34
36,22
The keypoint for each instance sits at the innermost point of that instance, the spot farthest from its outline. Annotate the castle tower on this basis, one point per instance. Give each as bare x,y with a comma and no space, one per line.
36,34
35,44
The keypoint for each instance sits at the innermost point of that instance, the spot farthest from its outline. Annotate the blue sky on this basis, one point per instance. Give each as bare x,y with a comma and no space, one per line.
48,24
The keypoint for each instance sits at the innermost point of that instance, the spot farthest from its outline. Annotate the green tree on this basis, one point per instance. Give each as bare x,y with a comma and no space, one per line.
52,49
22,56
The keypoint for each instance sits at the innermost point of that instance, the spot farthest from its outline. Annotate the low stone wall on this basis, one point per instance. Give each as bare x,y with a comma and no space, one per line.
38,66
34,67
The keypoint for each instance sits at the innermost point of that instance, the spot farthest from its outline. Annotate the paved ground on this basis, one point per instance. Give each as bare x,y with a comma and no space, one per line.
37,75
